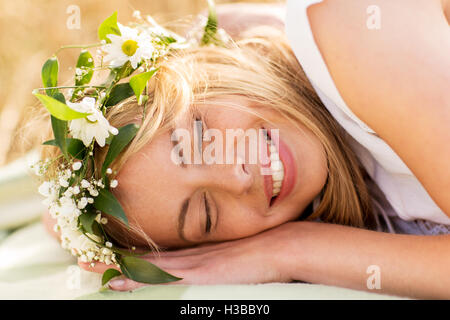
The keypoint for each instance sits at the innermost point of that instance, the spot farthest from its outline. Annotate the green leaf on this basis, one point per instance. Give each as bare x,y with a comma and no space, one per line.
107,203
109,26
109,274
119,93
143,271
118,143
49,75
139,82
58,109
85,63
75,147
210,32
60,131
87,220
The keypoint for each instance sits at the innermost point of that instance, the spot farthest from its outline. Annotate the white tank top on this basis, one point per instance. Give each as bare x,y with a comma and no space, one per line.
401,188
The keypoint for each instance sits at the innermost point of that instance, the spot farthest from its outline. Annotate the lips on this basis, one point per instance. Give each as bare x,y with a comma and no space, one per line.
265,169
290,171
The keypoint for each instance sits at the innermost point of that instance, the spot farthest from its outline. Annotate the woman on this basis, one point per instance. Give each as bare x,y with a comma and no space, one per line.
385,76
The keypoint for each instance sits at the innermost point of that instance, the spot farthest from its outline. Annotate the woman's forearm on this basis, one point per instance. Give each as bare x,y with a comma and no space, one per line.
408,265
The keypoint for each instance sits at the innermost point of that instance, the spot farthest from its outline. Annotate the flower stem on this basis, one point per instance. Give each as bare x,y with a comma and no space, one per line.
72,87
78,46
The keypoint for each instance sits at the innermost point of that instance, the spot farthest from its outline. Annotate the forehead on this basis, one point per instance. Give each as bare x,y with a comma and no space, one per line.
149,190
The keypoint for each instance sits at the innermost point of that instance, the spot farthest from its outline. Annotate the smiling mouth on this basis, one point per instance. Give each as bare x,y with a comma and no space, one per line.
276,168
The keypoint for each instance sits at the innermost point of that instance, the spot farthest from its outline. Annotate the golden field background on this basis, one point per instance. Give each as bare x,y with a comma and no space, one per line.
32,30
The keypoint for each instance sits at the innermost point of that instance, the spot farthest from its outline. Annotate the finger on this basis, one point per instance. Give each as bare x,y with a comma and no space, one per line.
125,284
163,263
97,267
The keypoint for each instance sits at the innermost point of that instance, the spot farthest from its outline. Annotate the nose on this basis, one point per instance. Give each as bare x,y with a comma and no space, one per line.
235,179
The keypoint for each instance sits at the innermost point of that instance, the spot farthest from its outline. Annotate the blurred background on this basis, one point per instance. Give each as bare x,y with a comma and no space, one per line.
32,30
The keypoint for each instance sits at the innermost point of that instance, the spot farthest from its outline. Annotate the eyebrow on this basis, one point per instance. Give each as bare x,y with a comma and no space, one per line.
182,218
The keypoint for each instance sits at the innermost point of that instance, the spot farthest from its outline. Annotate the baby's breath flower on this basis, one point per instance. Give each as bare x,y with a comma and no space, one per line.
85,184
69,192
82,203
93,192
76,190
63,182
114,183
108,171
137,14
76,166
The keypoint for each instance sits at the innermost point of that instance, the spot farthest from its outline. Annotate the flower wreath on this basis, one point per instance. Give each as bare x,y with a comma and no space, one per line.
75,200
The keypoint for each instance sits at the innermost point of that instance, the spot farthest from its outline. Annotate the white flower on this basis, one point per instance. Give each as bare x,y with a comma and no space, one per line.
50,191
129,46
93,126
76,166
113,183
93,192
137,14
69,192
68,207
108,171
76,190
85,184
82,203
63,182
45,188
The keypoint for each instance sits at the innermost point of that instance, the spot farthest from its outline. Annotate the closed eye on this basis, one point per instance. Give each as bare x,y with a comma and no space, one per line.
208,214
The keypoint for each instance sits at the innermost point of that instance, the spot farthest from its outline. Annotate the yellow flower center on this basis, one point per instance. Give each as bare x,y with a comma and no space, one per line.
129,47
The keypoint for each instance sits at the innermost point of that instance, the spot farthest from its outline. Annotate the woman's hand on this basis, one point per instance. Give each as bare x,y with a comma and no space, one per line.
256,259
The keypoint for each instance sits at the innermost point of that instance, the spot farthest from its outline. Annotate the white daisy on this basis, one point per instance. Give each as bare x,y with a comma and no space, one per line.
130,46
93,126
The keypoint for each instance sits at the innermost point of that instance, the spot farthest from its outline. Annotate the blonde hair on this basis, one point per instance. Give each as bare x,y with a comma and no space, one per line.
261,67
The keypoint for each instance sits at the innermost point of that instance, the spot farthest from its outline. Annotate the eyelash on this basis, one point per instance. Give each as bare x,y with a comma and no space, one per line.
208,216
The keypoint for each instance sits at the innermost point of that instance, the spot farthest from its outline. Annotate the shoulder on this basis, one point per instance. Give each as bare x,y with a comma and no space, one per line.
390,62
383,52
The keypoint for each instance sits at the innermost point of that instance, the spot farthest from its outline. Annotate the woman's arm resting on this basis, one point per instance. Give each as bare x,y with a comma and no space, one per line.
409,265
415,266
